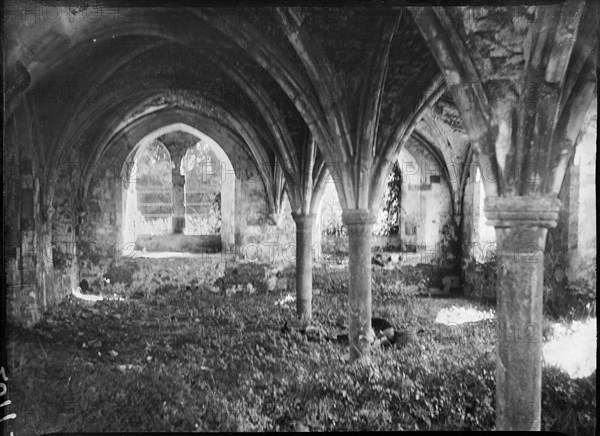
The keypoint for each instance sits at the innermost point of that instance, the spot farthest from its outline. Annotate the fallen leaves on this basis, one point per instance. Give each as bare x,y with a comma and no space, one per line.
207,361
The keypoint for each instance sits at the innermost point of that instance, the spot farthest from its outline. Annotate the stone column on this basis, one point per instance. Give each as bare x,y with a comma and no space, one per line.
521,225
304,228
240,219
178,195
359,223
44,252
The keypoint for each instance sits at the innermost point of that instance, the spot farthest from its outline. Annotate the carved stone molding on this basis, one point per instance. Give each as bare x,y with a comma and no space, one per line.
358,217
525,211
304,222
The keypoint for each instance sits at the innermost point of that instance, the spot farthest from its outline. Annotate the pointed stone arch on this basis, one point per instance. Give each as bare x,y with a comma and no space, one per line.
228,191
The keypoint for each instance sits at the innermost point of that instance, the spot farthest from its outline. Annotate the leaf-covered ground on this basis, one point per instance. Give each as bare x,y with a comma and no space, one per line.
174,357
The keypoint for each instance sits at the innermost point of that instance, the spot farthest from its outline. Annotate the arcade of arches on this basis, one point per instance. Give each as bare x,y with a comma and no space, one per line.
437,133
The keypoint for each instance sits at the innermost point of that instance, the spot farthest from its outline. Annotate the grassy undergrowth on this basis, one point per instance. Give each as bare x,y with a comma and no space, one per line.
176,358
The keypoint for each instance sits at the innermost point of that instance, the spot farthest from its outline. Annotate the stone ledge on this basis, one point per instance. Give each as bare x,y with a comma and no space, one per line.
354,217
525,211
180,243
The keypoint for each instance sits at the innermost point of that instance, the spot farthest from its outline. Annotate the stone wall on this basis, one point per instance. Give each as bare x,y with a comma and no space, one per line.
65,228
38,270
571,246
99,241
256,237
426,205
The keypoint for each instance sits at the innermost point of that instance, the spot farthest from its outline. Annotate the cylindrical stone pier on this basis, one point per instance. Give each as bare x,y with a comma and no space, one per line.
521,226
359,223
304,226
178,198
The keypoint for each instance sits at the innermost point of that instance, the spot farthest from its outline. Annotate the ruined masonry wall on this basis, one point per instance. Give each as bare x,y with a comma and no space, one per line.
256,238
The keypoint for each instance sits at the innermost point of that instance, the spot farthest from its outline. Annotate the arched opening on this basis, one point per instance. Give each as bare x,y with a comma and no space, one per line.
202,171
148,191
415,214
178,193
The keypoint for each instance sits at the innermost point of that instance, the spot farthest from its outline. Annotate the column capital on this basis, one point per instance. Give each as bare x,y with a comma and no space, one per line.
522,211
303,218
304,222
177,155
354,217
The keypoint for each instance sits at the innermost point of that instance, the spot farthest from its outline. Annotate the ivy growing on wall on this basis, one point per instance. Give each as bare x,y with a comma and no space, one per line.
390,217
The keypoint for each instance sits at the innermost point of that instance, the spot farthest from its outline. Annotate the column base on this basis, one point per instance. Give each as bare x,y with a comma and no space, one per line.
178,225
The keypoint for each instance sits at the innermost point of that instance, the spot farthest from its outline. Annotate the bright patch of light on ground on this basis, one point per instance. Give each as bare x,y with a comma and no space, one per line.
87,297
460,315
77,293
285,300
573,348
